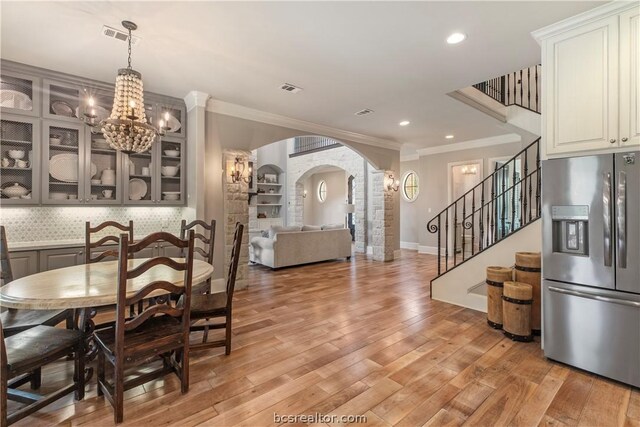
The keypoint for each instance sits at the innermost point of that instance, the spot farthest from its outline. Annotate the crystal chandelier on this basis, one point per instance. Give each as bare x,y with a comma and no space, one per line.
127,129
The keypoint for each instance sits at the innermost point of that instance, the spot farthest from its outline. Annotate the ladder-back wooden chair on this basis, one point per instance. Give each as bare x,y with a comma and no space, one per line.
207,239
15,321
218,304
160,330
99,250
21,357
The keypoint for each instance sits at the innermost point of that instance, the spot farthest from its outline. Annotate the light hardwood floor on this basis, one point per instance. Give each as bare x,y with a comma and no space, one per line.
361,337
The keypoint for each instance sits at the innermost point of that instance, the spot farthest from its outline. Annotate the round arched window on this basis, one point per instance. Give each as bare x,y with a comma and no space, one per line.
410,186
322,191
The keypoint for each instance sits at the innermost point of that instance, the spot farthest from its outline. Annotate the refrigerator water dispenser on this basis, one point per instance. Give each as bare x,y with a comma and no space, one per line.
570,229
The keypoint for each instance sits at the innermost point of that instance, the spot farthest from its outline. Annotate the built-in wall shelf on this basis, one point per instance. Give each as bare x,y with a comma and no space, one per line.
268,204
269,194
269,184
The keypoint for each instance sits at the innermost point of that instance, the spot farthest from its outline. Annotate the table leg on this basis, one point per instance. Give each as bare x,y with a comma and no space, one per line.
85,323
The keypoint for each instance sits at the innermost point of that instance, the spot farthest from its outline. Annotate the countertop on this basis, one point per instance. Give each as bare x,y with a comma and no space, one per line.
50,244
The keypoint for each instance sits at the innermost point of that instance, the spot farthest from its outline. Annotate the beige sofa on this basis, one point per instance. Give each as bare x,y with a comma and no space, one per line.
286,246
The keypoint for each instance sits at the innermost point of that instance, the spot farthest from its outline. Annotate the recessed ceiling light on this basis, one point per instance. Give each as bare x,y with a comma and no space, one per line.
456,38
449,136
404,122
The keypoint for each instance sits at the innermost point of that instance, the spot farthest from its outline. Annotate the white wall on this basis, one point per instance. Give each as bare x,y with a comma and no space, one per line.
331,211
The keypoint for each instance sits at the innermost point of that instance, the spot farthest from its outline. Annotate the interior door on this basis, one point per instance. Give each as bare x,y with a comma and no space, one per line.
584,182
627,220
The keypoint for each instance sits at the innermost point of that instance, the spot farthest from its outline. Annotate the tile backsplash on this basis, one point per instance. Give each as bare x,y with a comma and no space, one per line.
43,224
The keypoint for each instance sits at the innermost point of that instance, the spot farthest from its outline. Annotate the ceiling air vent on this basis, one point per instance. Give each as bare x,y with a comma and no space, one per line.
290,88
113,33
363,112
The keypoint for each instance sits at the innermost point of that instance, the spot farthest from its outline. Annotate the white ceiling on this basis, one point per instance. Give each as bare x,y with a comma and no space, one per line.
388,56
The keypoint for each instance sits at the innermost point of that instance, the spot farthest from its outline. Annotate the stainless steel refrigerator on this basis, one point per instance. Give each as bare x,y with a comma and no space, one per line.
591,263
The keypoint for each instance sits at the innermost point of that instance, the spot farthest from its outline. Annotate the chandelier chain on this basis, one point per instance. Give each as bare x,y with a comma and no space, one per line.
129,50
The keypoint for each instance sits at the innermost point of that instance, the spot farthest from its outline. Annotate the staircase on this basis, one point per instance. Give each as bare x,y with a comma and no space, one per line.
492,214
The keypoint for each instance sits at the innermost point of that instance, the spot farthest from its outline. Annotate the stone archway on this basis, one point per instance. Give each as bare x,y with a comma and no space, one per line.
302,167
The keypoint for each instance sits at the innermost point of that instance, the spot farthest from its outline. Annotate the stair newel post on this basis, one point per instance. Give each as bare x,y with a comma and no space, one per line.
439,246
446,239
525,203
513,197
503,210
494,212
455,232
473,224
480,220
464,217
538,181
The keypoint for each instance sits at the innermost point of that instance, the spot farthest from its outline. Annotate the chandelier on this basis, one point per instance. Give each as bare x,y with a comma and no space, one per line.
127,129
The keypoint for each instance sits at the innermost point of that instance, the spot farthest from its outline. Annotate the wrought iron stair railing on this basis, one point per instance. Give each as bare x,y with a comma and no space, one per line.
521,88
312,144
501,204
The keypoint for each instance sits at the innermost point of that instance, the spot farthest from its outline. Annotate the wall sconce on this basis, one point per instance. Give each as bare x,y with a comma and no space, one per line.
237,171
392,184
304,194
469,170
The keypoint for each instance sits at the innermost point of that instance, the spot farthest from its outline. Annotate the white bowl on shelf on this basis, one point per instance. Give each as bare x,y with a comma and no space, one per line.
58,196
170,170
172,153
171,195
16,154
15,191
55,139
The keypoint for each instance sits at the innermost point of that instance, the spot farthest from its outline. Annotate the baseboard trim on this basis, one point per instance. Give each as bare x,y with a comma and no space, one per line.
409,245
431,250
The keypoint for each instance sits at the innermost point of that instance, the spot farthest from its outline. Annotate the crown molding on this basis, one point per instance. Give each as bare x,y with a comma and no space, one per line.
234,110
409,157
604,11
471,144
196,99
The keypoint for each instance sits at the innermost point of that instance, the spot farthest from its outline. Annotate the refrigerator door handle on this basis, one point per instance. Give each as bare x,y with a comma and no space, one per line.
621,219
595,297
606,217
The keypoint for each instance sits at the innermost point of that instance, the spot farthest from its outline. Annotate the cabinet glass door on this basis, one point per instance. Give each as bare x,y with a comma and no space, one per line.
102,187
61,101
20,160
19,94
173,118
171,172
140,178
63,163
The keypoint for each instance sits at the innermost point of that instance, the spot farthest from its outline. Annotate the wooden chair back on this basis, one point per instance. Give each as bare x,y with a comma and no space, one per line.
207,237
233,264
88,245
163,305
6,275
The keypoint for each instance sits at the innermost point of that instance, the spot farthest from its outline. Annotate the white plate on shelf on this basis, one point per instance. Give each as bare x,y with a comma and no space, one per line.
64,167
61,108
10,98
137,189
173,124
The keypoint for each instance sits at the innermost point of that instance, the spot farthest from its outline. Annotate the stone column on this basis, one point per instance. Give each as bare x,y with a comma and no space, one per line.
236,209
383,198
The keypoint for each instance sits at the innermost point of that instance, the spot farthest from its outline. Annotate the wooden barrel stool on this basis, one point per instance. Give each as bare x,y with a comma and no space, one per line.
496,276
528,271
516,311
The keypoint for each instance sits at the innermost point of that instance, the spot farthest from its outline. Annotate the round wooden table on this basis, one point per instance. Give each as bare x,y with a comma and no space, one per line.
86,287
89,285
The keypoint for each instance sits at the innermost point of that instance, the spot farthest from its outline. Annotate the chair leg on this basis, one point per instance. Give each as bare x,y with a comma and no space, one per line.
227,343
118,398
100,369
36,379
184,380
4,378
79,371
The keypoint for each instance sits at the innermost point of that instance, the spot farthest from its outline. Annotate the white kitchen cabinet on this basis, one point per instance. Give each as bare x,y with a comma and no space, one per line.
589,80
629,72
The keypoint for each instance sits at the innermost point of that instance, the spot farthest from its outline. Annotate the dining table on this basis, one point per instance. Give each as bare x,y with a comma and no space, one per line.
87,287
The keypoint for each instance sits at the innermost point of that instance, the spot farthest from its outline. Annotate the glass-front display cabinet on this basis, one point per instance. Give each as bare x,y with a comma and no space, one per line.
20,166
63,163
19,94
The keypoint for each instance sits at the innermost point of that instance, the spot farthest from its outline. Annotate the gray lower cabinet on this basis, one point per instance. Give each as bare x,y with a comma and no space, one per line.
52,259
169,251
24,263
